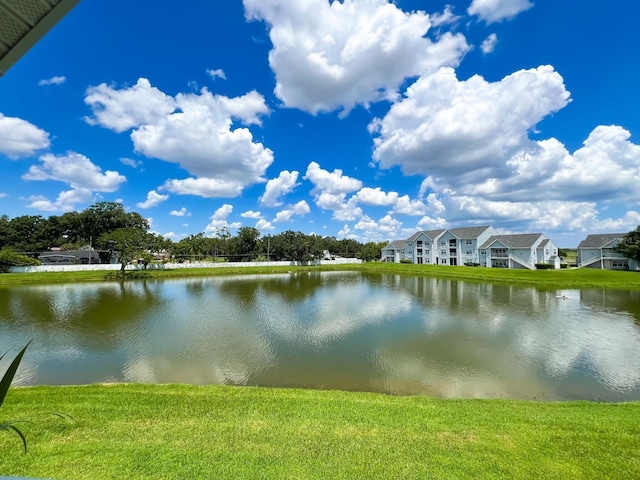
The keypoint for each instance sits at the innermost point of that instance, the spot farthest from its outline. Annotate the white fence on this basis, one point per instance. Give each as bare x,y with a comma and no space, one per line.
155,266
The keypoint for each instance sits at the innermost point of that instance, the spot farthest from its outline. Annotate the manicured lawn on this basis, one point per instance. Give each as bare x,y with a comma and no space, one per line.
544,279
183,432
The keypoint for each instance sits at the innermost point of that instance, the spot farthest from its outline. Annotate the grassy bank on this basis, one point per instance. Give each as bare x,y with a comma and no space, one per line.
178,431
549,279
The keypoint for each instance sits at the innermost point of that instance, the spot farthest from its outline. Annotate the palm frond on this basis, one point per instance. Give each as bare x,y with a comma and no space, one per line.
7,378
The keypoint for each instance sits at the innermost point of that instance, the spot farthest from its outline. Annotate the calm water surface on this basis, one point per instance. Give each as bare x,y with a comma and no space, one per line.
334,330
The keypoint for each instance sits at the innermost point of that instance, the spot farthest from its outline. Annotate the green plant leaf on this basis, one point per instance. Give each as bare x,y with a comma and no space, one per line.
10,426
7,378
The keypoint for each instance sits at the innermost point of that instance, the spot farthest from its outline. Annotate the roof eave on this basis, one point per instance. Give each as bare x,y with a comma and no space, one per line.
22,46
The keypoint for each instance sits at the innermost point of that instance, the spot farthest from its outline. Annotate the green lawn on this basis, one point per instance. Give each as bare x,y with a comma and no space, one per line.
550,279
183,432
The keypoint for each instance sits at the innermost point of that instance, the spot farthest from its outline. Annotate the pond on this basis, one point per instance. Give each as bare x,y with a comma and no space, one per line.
333,330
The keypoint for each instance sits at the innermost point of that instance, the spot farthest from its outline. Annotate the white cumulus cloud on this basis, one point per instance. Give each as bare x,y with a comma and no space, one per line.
219,220
122,109
76,170
489,44
332,55
204,187
278,187
300,208
65,202
19,138
264,226
153,199
251,214
180,213
445,126
216,73
330,192
56,80
492,11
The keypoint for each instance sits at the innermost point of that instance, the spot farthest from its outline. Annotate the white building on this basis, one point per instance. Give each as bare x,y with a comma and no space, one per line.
393,252
473,246
522,250
597,251
421,246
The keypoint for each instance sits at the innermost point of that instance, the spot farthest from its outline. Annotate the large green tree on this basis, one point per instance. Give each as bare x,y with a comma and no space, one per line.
630,245
27,233
247,243
371,251
105,217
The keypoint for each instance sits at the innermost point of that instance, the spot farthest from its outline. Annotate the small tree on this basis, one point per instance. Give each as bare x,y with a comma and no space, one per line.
371,251
127,244
630,245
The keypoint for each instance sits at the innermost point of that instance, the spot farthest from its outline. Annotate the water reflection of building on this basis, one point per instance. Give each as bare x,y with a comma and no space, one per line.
613,300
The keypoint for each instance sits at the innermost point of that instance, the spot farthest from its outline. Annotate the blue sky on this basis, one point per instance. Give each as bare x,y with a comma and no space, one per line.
365,119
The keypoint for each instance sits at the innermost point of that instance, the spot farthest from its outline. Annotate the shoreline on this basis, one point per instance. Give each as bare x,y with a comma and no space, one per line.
541,279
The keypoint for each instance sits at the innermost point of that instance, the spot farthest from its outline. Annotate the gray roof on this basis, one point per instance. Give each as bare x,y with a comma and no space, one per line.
519,240
432,234
543,243
24,22
395,245
469,232
71,253
600,240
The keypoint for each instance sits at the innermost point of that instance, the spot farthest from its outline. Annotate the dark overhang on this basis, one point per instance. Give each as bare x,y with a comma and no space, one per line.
24,22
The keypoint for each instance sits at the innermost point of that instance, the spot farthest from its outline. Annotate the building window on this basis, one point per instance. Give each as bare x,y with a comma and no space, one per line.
469,242
443,243
426,244
619,264
419,251
469,252
499,252
443,252
419,243
426,252
452,242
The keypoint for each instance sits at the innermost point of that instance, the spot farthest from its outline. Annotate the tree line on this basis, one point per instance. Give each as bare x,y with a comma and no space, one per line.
108,228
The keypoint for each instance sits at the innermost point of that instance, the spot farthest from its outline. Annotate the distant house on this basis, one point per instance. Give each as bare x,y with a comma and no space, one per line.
393,252
70,257
522,250
597,251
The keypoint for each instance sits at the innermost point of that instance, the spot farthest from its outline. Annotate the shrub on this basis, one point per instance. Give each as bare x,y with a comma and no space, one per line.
543,266
563,265
405,260
10,258
472,264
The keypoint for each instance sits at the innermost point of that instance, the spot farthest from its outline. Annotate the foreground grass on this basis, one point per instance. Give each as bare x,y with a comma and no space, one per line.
178,431
544,279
